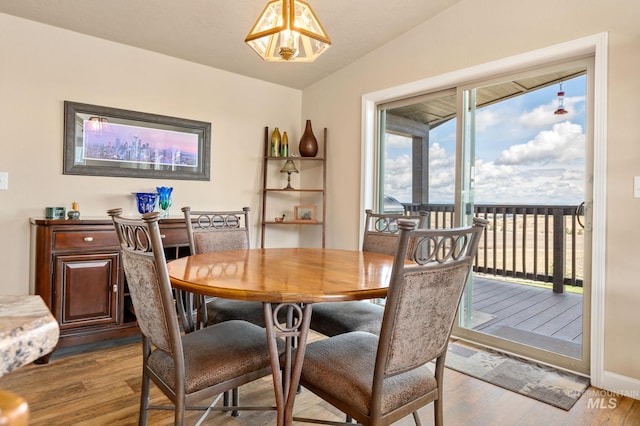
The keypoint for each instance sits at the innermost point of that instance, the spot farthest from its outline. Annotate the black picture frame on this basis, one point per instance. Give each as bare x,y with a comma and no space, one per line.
105,141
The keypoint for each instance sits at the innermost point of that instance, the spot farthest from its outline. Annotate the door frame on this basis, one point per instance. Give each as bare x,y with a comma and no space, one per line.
595,45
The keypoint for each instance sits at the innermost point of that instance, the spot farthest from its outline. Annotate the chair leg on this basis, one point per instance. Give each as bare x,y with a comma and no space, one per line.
144,400
416,418
437,412
146,383
201,312
236,401
232,398
179,411
184,302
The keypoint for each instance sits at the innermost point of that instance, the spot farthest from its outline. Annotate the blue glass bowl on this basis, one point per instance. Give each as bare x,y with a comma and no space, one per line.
146,201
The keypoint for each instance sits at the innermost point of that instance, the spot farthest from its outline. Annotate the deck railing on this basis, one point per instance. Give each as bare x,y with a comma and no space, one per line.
524,241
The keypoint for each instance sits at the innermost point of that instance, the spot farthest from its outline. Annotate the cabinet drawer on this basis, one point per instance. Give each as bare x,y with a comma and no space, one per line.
84,239
174,236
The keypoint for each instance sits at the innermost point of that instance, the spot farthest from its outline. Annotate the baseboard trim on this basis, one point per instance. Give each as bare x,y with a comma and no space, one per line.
622,385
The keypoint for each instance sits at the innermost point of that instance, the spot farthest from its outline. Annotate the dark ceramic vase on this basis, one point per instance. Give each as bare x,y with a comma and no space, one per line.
308,144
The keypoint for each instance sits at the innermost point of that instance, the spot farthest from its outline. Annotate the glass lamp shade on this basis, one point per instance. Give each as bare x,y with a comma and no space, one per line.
288,31
289,167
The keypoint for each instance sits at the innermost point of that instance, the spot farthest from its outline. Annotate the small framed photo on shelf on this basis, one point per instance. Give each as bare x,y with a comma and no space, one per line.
304,214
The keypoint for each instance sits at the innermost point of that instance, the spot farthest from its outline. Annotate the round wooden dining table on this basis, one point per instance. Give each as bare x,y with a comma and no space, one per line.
285,278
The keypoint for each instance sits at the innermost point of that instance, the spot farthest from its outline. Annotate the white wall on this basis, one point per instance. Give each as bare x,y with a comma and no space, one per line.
472,33
43,66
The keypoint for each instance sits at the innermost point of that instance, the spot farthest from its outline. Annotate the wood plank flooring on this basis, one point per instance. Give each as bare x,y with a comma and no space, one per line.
102,387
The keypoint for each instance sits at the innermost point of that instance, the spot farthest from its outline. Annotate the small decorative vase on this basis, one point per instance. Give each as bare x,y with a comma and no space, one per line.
74,213
146,201
164,199
308,144
275,143
284,145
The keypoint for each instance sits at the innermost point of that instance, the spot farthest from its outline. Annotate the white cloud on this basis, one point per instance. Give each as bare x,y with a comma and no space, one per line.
398,177
397,141
441,174
543,115
564,143
397,182
438,156
506,184
486,118
551,183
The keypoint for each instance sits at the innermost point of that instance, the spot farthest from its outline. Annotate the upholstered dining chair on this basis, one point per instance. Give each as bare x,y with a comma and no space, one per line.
186,368
378,380
380,236
210,231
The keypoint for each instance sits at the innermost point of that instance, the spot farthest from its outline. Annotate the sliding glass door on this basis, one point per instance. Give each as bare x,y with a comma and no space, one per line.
517,151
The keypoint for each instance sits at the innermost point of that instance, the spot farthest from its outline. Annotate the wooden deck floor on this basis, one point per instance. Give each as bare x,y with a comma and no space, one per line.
528,314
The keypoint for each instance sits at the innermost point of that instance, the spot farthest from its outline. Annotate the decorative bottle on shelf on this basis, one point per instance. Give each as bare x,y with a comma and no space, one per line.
284,145
308,144
275,143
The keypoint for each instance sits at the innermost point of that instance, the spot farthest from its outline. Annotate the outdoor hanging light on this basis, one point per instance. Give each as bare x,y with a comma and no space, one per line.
560,109
288,31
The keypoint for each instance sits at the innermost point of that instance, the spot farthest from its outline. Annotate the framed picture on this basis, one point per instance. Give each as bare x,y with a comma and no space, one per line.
104,141
304,214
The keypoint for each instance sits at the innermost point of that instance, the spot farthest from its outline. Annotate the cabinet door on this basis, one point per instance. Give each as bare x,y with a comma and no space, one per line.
86,289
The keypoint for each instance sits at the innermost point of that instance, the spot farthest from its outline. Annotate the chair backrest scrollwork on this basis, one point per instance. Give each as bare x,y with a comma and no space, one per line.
211,231
381,230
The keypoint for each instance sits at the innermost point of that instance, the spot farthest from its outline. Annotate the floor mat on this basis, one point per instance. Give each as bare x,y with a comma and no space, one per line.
547,384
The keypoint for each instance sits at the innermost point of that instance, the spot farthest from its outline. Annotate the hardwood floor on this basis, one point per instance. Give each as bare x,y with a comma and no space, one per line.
102,387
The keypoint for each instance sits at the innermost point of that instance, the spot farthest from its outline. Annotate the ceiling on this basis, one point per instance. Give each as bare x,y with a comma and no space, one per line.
212,32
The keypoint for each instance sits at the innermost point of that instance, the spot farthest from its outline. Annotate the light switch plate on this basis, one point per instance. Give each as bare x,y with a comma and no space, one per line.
4,180
636,187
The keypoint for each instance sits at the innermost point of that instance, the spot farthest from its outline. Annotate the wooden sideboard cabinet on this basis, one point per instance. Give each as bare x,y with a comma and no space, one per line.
78,274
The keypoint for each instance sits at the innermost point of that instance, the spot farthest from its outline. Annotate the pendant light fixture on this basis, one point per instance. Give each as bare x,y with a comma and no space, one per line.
560,109
288,31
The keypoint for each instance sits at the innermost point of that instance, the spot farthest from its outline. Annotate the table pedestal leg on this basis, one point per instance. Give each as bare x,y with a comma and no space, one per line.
285,384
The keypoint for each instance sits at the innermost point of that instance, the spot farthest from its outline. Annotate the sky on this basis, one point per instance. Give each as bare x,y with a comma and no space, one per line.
525,154
156,138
